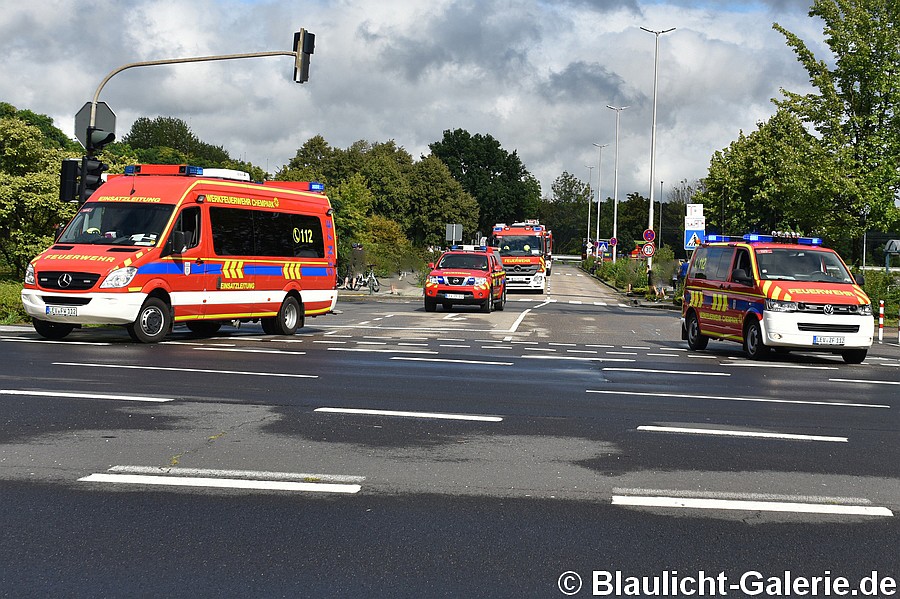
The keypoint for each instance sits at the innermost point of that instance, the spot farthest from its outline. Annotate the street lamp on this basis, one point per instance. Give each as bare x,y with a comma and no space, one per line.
653,126
616,183
599,178
590,179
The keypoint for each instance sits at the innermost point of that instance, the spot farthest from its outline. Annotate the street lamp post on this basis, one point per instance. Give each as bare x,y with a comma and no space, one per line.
599,179
653,125
616,183
590,180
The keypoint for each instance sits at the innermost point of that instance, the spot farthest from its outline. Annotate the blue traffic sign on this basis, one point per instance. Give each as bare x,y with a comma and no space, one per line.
693,238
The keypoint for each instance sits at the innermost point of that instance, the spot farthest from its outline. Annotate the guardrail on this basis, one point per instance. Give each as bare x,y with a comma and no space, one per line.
567,257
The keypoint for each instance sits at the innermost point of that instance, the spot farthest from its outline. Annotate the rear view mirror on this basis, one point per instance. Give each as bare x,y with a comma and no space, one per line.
860,278
176,243
739,275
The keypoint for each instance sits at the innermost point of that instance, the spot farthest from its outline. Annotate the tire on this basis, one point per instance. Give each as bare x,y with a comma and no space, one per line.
488,303
204,328
154,321
374,285
501,303
51,330
854,356
754,346
357,283
696,341
430,304
290,318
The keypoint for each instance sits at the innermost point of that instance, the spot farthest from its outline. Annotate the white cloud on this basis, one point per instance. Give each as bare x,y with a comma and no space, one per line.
536,75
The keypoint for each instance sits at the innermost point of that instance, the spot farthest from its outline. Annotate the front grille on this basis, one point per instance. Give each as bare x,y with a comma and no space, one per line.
815,327
456,280
57,279
822,308
65,300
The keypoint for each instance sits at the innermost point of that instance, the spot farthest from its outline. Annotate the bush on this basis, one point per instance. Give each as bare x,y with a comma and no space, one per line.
882,286
11,309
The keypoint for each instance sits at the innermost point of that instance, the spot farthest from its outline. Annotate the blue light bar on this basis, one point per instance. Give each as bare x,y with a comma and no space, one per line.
757,237
130,169
810,241
316,186
194,171
715,238
538,228
454,247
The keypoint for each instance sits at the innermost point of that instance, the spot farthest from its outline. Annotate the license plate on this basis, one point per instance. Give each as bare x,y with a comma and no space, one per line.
454,296
820,340
518,279
62,311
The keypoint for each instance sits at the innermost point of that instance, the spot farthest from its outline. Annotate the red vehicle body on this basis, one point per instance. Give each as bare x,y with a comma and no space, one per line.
170,243
466,276
523,250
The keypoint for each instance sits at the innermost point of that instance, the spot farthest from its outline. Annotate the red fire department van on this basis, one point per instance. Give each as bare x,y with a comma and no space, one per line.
767,294
166,244
466,276
522,248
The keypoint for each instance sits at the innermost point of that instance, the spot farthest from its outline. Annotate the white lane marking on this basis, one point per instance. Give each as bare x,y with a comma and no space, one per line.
328,341
524,313
50,341
253,351
562,344
450,339
454,345
372,350
84,395
249,474
371,342
496,347
774,365
582,351
663,355
550,349
413,344
733,433
411,359
635,347
575,358
865,381
203,370
220,483
600,346
751,399
575,301
600,303
622,353
691,372
526,342
404,414
753,506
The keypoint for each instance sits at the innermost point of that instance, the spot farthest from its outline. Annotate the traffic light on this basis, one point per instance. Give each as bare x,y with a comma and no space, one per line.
97,139
304,46
91,177
68,180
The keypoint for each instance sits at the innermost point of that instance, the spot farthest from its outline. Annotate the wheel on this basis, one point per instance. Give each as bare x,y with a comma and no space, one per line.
51,330
753,341
430,304
357,283
289,318
203,328
488,303
854,356
374,285
153,322
501,303
696,341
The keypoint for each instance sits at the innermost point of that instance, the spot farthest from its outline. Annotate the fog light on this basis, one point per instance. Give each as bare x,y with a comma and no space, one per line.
775,335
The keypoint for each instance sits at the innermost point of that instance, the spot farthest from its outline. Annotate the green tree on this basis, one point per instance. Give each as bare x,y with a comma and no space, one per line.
854,108
352,203
504,189
437,199
309,163
565,213
30,207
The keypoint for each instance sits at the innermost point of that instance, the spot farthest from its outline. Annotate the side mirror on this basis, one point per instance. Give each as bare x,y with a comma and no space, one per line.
176,244
431,265
739,275
860,278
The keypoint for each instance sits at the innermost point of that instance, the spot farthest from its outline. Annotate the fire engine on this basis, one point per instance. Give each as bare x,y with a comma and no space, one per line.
781,292
524,251
175,243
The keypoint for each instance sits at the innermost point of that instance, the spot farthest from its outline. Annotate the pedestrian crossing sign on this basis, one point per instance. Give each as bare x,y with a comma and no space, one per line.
693,238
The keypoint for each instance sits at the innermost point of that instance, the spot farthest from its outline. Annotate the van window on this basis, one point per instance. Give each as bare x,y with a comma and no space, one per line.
119,223
189,222
742,261
238,232
712,262
789,264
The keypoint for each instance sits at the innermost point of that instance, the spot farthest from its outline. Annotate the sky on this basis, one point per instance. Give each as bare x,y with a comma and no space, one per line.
537,75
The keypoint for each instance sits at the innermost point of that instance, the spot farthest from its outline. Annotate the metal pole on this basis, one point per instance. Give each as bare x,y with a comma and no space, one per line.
590,179
660,213
175,61
653,127
599,178
616,183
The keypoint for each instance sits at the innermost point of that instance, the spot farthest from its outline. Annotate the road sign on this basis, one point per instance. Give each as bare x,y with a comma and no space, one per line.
649,235
104,119
454,233
602,247
694,210
648,249
695,222
693,238
613,241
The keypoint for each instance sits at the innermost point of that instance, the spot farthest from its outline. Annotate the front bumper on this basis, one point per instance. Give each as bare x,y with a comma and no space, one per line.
83,308
804,331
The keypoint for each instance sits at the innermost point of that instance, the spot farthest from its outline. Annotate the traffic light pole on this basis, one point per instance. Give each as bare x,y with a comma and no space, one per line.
148,63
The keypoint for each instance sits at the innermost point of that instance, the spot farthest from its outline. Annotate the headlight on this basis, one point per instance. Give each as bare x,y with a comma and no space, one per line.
864,309
480,281
29,275
119,278
780,306
435,280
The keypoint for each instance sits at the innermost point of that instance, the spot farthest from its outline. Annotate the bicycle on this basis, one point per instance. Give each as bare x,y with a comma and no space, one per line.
369,280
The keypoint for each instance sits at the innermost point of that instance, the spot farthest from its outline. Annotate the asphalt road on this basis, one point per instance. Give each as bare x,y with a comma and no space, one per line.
389,452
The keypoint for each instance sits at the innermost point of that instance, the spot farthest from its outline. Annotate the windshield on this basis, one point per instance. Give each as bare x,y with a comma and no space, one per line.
518,245
469,261
125,223
801,265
